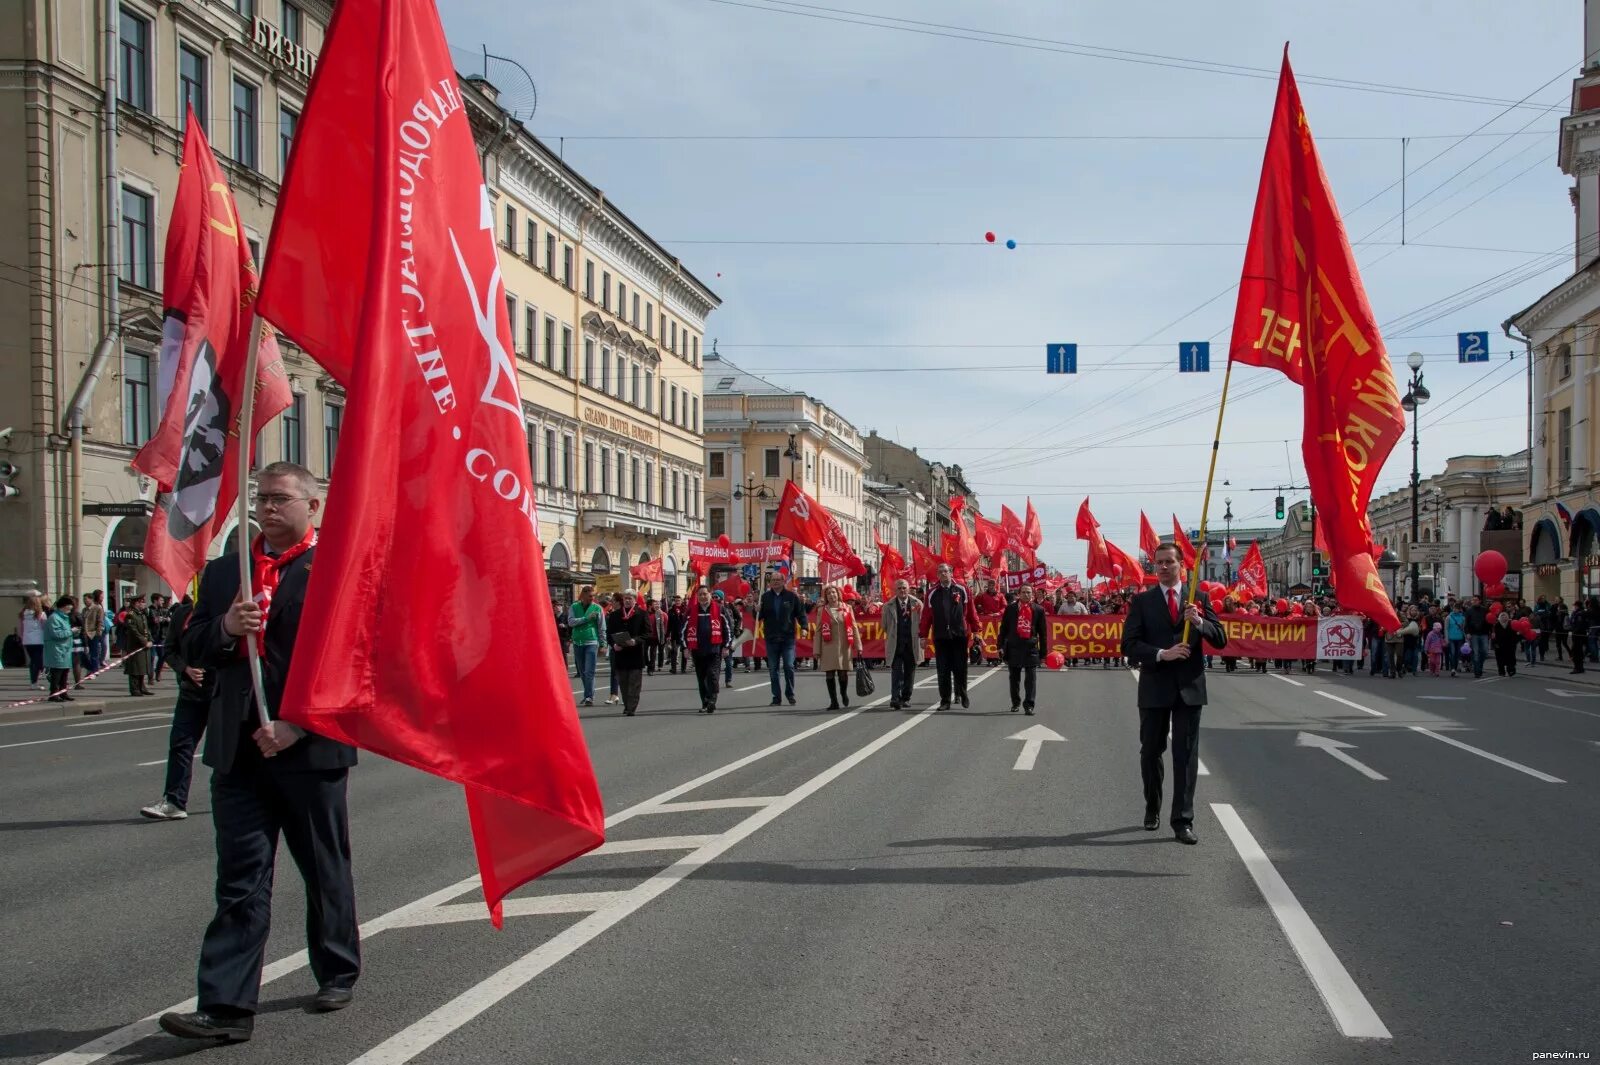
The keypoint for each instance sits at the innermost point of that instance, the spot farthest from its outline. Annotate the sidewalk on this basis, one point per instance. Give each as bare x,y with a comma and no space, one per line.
108,691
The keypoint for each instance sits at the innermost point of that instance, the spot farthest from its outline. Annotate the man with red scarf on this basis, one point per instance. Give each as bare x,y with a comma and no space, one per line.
705,630
1022,642
269,780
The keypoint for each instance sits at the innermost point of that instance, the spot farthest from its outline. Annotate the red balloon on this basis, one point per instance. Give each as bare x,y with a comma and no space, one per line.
723,541
1116,571
1054,660
990,238
1297,611
1490,566
1282,605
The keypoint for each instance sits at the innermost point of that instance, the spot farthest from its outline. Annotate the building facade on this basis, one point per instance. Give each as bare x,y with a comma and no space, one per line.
1561,331
1288,552
760,435
894,515
896,464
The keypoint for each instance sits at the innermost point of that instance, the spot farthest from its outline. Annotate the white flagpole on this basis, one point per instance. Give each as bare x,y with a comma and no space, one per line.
246,443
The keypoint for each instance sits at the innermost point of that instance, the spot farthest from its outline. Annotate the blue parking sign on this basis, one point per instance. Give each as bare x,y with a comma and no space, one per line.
1061,358
1472,347
1194,356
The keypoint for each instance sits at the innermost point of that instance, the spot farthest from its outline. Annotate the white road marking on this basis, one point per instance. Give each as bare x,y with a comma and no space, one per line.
424,1033
1550,706
118,720
1444,698
741,803
1350,1009
1565,693
753,687
459,912
1033,740
158,761
128,1034
654,843
1337,749
1508,763
1288,680
84,736
1353,706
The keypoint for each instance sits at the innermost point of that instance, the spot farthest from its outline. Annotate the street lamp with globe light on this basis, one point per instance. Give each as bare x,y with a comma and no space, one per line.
1416,395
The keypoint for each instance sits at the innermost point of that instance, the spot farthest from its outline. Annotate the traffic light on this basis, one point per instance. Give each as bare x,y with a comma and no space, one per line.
1279,502
8,470
1319,566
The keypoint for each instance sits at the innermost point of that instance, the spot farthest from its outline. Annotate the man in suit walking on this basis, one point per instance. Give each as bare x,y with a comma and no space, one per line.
902,622
1172,686
1023,644
952,619
267,780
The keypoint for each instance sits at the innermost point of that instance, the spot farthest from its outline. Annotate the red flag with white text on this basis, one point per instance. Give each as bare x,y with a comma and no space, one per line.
383,266
1302,310
805,521
208,288
1252,579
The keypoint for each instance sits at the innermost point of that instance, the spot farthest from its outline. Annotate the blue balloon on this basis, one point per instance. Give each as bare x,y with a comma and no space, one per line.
1011,244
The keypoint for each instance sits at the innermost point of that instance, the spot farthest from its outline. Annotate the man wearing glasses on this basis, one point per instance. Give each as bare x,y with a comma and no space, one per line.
1172,686
267,780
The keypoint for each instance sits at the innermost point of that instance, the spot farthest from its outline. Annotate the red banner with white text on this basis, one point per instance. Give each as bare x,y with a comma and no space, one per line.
703,554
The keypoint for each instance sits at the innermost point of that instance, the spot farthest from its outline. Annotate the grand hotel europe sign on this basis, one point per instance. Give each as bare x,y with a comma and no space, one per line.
270,41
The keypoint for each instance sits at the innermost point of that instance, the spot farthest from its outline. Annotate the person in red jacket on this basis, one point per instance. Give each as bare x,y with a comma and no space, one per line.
952,620
705,631
989,601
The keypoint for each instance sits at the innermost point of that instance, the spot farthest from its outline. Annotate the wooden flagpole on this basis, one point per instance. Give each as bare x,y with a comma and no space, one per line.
1211,474
246,444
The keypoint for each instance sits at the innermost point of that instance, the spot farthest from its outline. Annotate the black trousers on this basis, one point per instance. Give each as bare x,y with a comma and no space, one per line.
1184,723
1024,679
706,670
950,657
903,674
251,806
188,726
1578,643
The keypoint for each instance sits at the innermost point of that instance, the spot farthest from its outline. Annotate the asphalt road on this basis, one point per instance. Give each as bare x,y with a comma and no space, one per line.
788,885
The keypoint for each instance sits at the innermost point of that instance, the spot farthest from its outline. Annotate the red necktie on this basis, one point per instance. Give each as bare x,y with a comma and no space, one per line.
1172,604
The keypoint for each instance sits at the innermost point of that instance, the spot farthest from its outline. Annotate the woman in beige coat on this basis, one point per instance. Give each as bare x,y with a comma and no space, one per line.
838,642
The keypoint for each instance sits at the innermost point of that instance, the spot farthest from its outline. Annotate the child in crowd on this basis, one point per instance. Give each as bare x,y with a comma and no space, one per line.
1433,644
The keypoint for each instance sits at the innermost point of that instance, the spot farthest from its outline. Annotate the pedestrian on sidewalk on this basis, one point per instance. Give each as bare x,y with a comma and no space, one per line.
1506,642
629,633
838,643
1434,644
189,716
1172,686
136,664
94,630
158,618
1577,634
1023,632
1558,628
587,622
58,649
705,633
902,621
1455,633
267,780
30,630
1478,634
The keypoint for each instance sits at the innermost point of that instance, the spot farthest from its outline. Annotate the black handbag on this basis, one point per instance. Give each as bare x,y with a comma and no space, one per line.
864,682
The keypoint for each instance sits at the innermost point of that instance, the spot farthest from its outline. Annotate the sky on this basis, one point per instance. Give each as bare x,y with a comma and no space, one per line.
832,182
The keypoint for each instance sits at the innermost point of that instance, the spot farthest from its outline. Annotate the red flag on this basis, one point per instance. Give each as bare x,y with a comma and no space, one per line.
1252,574
732,587
1185,548
1032,529
924,563
991,538
1148,540
1132,571
1099,563
805,521
967,553
1233,545
1302,310
384,268
1016,535
654,570
208,289
891,566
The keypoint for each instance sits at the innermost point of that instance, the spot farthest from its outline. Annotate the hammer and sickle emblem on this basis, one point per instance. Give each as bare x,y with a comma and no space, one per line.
219,189
801,508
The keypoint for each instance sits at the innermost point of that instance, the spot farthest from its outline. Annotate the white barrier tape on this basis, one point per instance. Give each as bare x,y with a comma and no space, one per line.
52,695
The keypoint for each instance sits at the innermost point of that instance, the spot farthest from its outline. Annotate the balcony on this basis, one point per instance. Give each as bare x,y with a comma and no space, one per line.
634,516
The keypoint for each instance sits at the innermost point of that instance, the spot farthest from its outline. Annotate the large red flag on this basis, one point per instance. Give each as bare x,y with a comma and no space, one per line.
383,267
1016,535
891,566
991,538
805,521
654,570
924,561
966,544
1185,548
1132,571
1302,310
1148,540
1252,577
1099,563
1032,528
208,289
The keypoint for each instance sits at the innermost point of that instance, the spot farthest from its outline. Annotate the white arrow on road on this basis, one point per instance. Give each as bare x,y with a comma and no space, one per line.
1032,740
1564,693
1337,749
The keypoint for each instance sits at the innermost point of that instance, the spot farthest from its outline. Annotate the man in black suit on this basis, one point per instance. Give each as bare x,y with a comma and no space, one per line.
1022,644
269,779
1172,686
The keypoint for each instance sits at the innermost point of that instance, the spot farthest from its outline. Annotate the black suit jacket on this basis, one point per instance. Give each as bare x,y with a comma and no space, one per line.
233,714
1016,650
1149,630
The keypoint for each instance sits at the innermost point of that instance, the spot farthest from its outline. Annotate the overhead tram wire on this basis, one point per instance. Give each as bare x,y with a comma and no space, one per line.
1044,44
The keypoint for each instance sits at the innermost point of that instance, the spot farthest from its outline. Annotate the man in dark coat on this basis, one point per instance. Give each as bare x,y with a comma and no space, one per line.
1023,639
629,632
951,619
267,780
189,717
1172,686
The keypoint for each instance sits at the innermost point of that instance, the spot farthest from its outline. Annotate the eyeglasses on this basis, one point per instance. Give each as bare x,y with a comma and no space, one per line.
275,500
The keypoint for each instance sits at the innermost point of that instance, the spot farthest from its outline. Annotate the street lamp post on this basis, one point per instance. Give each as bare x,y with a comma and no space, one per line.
1416,395
792,452
751,489
1227,543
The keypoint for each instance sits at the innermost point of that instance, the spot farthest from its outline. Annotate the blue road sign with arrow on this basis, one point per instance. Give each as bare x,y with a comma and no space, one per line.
1472,347
1061,358
1194,356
